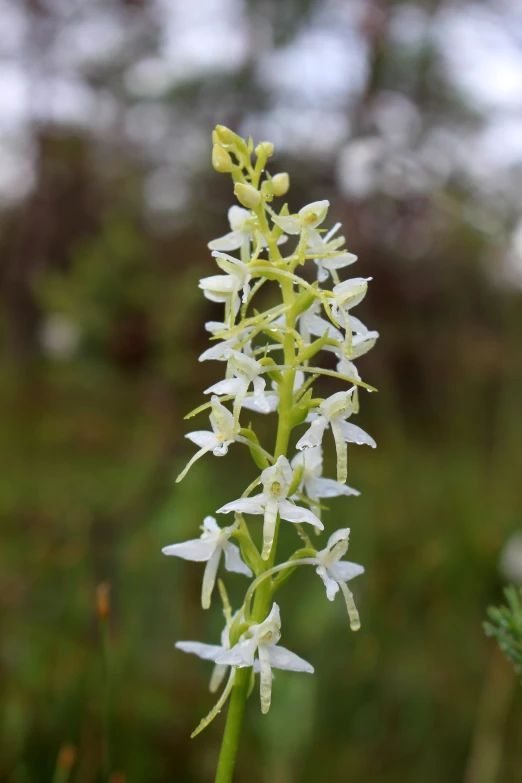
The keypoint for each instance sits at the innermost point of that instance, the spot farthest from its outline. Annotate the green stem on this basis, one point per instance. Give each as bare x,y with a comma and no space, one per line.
236,709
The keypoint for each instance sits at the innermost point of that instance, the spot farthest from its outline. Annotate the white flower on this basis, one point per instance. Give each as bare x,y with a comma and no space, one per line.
211,652
335,573
315,485
225,288
348,294
306,220
241,224
263,640
246,371
224,432
334,411
337,260
363,340
209,548
218,349
272,501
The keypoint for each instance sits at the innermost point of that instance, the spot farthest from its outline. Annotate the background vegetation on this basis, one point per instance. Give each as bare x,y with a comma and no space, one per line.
405,116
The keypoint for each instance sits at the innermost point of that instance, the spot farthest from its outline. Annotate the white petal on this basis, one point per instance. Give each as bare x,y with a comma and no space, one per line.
269,524
314,435
216,678
198,549
242,654
329,488
228,386
281,658
203,439
266,404
265,678
289,224
346,571
339,262
230,241
320,326
233,560
332,587
209,578
237,217
354,434
215,351
208,652
252,505
293,513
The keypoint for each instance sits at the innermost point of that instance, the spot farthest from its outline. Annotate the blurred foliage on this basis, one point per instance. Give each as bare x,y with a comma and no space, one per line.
506,627
91,418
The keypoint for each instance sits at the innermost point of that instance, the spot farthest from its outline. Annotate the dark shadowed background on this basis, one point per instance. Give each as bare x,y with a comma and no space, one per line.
407,116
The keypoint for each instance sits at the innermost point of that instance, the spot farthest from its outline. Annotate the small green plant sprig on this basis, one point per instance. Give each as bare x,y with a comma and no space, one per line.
506,627
270,365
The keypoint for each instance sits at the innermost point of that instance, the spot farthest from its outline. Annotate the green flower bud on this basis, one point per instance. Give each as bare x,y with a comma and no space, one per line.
247,195
221,160
281,183
265,148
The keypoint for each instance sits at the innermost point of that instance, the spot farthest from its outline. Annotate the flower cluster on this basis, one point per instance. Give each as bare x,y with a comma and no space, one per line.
269,364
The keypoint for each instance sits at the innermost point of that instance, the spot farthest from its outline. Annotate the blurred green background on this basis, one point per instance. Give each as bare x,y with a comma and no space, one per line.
408,117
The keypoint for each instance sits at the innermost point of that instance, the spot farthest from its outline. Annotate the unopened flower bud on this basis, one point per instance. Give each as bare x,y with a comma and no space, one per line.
265,148
281,183
247,195
221,160
225,135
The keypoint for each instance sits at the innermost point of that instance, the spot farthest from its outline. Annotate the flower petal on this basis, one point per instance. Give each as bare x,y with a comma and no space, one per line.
242,654
216,678
252,505
209,578
289,224
231,241
293,513
228,386
233,560
332,587
204,439
346,571
265,678
198,549
281,658
354,434
314,434
208,652
329,488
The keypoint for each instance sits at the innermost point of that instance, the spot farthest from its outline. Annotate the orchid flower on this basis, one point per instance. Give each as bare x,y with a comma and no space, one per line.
306,222
213,542
247,371
272,501
263,640
225,288
348,294
241,225
224,432
333,259
334,411
335,573
312,480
